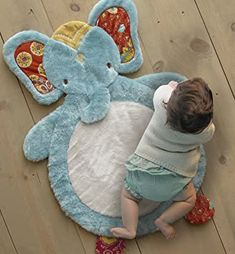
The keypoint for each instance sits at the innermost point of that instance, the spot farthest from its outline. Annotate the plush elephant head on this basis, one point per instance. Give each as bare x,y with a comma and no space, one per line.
80,59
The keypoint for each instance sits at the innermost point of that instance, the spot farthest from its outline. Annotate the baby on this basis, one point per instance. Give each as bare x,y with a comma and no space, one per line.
166,158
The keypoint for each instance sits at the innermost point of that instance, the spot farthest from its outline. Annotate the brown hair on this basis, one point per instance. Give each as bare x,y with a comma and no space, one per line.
190,107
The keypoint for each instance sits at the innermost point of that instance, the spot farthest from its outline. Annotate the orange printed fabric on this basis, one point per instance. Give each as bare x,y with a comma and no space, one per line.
115,21
106,245
29,57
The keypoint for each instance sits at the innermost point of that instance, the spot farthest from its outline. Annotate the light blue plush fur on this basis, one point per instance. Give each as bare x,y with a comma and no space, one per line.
91,86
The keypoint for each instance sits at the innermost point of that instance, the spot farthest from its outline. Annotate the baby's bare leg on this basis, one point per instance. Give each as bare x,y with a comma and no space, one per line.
130,213
178,209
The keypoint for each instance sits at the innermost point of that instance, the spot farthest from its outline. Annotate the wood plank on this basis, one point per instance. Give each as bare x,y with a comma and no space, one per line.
67,10
13,172
173,33
34,219
189,239
25,15
219,20
6,245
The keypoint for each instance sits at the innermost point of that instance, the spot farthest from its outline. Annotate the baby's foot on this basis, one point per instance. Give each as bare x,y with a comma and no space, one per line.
167,230
122,233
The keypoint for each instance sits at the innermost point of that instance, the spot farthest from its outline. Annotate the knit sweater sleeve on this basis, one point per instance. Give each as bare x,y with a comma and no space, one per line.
163,94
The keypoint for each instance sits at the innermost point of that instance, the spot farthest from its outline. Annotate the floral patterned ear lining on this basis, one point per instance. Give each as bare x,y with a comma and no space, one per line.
29,57
116,22
106,245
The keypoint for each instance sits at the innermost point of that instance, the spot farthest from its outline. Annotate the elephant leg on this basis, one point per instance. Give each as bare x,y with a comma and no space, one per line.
37,142
97,108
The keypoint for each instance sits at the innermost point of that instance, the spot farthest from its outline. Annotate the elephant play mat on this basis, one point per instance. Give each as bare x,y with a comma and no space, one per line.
104,114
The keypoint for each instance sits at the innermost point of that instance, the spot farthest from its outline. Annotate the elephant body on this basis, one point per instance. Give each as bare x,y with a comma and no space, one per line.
85,62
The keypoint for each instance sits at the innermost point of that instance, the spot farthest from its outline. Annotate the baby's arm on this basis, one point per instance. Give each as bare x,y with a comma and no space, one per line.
154,81
163,93
207,133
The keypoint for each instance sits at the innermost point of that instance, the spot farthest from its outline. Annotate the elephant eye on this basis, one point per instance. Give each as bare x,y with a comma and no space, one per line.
66,81
109,65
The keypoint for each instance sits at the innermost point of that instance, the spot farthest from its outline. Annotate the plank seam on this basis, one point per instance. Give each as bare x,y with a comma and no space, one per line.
138,246
220,62
144,50
8,232
2,37
47,14
216,229
77,231
26,100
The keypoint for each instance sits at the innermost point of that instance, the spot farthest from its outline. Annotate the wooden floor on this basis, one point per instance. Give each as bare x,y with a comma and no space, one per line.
193,37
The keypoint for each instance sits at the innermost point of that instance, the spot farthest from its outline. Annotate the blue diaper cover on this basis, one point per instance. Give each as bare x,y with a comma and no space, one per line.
145,179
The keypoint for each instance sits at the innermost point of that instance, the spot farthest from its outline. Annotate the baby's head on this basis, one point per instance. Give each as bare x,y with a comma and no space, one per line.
190,107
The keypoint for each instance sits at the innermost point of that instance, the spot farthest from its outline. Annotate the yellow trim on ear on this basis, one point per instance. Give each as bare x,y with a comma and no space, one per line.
71,33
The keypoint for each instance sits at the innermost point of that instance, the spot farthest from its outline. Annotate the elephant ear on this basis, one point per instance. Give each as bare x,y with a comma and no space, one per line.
119,19
24,54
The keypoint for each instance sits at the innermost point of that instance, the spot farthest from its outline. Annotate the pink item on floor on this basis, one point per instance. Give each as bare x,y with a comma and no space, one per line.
109,245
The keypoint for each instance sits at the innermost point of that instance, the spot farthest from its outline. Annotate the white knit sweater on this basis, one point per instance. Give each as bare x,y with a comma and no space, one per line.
174,150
